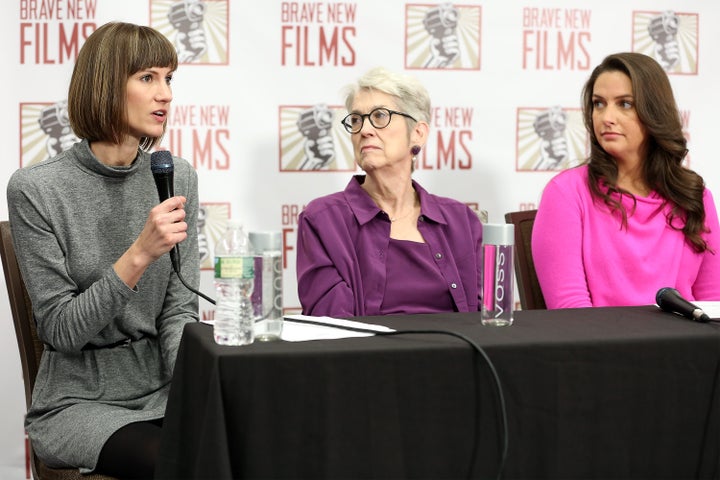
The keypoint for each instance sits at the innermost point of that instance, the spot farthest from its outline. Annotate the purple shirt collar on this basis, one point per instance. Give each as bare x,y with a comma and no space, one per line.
365,209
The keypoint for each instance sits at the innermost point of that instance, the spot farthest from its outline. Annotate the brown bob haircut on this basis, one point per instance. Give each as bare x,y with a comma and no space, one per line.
97,98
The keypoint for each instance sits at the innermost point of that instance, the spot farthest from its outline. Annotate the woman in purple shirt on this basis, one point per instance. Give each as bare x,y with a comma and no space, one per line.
385,245
633,219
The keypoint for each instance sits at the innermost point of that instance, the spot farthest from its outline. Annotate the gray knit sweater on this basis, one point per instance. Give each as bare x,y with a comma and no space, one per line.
72,217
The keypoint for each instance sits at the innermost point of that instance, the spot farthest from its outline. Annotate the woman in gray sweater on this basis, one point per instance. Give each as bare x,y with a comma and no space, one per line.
91,238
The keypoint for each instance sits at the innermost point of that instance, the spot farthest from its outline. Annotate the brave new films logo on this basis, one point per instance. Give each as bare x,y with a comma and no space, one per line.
313,139
317,34
211,224
549,138
556,38
442,36
52,31
197,28
670,38
201,133
44,131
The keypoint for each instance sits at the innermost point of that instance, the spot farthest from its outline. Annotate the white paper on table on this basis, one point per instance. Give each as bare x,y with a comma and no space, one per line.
711,308
331,328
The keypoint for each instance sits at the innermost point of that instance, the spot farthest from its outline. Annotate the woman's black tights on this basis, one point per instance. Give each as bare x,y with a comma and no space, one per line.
132,451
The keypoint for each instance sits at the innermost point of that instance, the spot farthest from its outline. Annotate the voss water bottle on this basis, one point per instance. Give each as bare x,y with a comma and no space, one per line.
498,280
267,297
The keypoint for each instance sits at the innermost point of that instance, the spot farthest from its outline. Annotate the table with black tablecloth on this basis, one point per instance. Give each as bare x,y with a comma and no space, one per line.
605,393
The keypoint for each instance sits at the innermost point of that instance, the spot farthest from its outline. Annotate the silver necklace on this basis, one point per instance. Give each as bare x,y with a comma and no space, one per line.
393,220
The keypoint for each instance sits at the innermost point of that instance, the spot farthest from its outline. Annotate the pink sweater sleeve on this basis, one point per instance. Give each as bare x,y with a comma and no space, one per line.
707,283
557,248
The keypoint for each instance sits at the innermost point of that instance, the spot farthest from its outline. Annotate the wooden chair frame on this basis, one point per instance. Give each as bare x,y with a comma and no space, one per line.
31,349
531,297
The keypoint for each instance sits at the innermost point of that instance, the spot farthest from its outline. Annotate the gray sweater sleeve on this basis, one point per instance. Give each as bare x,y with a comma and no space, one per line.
77,316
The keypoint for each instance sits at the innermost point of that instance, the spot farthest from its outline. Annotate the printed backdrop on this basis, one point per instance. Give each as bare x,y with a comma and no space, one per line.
257,103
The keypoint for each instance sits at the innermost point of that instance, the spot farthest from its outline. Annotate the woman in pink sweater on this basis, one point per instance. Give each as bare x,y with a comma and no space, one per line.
632,219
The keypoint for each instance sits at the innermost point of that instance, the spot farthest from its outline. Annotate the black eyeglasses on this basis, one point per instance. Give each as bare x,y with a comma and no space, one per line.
379,118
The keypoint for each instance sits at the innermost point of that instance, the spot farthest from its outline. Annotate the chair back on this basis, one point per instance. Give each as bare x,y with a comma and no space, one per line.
31,349
531,297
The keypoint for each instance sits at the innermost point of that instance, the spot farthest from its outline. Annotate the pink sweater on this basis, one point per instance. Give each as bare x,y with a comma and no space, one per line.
584,258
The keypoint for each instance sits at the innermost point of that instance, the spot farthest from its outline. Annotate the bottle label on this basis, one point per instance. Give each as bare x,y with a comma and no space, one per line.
498,283
235,267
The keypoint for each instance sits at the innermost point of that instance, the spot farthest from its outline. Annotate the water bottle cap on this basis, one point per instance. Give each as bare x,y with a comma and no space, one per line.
266,241
498,234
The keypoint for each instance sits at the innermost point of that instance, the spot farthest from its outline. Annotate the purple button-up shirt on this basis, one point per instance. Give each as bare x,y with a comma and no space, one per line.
342,243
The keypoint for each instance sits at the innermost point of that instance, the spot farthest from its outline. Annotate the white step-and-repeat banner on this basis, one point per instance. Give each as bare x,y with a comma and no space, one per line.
257,103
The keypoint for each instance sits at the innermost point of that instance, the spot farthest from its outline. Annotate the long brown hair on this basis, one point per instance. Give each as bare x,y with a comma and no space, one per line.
666,147
97,98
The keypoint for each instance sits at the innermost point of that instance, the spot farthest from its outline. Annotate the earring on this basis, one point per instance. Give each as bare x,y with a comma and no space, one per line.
414,150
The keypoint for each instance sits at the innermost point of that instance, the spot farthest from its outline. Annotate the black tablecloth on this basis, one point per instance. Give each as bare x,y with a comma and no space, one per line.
621,393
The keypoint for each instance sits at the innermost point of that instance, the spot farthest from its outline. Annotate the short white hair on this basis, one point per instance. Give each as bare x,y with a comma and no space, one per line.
412,97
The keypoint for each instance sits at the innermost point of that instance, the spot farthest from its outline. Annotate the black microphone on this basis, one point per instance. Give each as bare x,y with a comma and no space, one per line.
670,300
161,164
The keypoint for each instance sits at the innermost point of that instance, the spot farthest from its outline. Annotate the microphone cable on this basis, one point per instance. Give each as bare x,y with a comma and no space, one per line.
175,260
504,440
504,433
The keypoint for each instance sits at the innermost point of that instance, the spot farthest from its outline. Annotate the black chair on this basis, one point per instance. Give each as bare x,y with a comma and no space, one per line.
531,297
31,349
